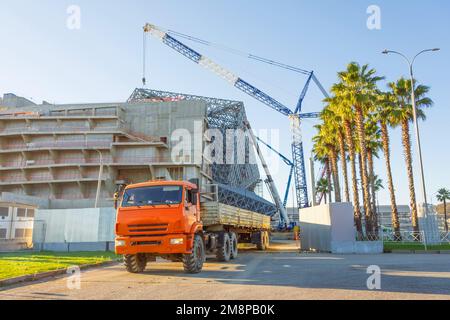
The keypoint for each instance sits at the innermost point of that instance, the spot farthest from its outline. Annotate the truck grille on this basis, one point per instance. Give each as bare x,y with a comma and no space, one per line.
140,228
146,243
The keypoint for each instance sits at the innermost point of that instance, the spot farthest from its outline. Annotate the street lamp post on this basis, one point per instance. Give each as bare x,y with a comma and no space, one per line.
99,183
416,124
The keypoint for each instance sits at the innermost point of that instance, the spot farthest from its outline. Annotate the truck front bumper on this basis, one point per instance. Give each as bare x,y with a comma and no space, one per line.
167,244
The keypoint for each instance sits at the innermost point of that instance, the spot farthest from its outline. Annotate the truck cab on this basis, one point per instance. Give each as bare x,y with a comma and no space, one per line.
160,218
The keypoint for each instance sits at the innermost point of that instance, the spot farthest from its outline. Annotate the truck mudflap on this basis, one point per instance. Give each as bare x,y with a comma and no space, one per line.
167,244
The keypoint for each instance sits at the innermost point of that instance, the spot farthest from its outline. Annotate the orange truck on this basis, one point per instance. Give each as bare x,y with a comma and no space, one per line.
166,219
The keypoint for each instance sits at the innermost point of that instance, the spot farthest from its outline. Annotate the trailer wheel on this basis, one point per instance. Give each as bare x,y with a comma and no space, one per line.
224,250
135,263
234,245
193,262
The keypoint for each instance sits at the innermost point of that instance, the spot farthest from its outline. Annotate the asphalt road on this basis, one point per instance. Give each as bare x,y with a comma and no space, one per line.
276,276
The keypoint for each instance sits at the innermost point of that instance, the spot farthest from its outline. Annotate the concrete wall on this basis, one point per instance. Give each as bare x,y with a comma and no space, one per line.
330,228
90,228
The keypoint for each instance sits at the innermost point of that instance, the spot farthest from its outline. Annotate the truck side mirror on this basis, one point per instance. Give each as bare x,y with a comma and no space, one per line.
116,200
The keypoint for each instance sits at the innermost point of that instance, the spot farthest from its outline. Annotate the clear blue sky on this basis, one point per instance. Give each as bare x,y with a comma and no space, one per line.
40,58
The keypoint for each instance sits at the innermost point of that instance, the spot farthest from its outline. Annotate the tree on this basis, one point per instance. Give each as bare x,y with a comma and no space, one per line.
384,114
358,87
443,195
326,140
402,116
332,118
344,110
373,144
324,187
377,184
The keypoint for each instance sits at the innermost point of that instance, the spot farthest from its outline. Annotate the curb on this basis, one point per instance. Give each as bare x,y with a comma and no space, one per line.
48,274
418,251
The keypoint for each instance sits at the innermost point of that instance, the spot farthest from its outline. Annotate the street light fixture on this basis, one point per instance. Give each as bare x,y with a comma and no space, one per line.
416,125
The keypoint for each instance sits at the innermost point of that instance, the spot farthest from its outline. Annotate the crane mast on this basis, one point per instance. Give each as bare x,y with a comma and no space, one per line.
294,116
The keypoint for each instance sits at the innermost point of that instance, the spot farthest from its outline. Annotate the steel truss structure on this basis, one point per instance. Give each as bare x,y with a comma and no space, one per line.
236,181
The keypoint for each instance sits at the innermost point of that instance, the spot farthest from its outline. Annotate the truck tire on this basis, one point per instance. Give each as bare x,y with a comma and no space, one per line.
266,239
135,263
193,262
261,243
223,253
234,245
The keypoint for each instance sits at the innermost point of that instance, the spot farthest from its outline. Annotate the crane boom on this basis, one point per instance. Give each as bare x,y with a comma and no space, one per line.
270,183
207,63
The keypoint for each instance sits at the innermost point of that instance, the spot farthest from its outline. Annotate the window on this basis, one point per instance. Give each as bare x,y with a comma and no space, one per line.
189,196
19,233
21,212
2,233
4,212
149,196
30,213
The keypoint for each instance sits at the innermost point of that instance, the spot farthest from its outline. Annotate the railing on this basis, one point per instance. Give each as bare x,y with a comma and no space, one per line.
46,177
60,129
59,144
80,160
445,237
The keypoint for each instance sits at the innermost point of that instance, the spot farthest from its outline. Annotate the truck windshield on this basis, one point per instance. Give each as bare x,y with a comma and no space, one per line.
149,196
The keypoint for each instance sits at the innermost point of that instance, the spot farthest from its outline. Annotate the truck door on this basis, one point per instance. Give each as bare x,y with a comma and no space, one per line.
189,207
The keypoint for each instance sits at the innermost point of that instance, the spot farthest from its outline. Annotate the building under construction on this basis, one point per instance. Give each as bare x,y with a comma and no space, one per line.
63,158
59,153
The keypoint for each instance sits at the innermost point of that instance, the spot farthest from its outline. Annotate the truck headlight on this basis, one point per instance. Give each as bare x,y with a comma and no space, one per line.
176,241
120,243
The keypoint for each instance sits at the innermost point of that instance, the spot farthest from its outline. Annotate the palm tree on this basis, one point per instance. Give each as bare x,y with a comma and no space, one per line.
377,184
326,139
358,86
384,112
373,144
321,154
443,195
402,116
342,108
324,187
331,118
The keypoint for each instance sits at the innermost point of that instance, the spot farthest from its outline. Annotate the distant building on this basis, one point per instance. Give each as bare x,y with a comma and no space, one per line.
16,225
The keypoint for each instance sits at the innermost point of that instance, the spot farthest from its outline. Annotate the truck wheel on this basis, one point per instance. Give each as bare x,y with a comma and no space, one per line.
224,251
135,263
193,263
261,243
266,239
234,245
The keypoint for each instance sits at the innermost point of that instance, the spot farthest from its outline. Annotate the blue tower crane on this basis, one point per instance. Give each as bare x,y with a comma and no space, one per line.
294,115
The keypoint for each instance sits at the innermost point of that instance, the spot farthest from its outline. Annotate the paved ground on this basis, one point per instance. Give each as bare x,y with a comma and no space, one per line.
255,275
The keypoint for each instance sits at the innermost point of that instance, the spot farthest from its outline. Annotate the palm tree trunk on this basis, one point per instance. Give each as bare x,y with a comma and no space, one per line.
328,170
351,152
344,165
360,164
408,159
387,157
445,215
335,172
372,190
365,177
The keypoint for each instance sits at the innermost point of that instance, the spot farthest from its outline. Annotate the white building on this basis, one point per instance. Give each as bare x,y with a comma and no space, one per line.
16,226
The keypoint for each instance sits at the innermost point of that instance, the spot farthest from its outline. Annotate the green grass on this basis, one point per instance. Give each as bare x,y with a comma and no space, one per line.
388,246
26,263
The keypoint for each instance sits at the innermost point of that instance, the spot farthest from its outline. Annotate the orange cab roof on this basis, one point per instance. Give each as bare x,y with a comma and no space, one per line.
161,183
